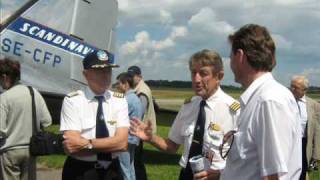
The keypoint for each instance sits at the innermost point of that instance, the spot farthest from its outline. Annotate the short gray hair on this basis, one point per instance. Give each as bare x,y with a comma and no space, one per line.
207,57
301,78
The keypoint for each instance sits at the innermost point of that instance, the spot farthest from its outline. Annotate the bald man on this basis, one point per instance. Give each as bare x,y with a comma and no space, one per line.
309,111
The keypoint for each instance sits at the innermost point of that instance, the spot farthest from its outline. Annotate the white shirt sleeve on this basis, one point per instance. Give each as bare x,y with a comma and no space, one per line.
175,131
70,119
122,115
272,137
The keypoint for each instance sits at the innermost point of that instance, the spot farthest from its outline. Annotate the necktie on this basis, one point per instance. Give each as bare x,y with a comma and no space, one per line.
196,146
197,142
101,129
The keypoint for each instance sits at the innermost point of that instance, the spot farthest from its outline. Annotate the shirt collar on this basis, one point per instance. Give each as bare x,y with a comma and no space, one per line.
303,99
210,101
90,94
244,98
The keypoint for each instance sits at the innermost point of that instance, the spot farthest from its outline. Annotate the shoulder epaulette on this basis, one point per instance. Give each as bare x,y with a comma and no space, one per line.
118,95
235,106
72,94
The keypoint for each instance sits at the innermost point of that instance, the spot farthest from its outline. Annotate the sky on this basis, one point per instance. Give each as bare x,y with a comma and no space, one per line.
161,35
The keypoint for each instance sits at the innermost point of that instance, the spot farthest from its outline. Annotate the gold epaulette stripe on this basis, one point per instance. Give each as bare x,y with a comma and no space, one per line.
118,95
235,106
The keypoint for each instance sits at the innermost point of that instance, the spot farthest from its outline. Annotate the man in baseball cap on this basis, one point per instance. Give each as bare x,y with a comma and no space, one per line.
144,93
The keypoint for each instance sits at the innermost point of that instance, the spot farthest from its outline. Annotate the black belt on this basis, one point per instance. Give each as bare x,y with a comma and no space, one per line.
93,164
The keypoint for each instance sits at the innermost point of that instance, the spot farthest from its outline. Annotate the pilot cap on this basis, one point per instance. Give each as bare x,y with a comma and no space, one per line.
134,70
98,59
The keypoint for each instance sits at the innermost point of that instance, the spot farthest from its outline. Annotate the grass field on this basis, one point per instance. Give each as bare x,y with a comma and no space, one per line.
159,165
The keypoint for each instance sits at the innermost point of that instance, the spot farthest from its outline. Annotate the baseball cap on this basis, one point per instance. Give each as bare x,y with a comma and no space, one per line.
134,70
98,59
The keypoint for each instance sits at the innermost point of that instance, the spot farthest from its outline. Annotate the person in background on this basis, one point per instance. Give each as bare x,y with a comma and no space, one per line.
144,93
125,85
95,124
201,122
16,123
267,144
309,111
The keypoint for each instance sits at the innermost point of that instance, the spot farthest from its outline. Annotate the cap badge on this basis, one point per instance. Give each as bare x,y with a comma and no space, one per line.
102,56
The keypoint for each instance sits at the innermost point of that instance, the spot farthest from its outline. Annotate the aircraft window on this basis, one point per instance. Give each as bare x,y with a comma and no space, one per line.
8,8
56,14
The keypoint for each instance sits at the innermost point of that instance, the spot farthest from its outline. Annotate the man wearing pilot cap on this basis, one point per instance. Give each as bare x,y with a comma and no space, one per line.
94,123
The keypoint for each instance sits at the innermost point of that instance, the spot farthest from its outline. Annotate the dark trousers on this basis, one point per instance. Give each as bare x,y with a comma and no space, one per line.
186,174
304,159
74,169
139,167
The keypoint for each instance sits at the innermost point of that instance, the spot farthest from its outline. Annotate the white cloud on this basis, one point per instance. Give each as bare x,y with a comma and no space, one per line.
281,42
194,25
178,32
141,40
294,2
165,17
207,21
313,75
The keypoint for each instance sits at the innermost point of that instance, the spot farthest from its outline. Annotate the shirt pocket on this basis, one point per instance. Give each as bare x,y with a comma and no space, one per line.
215,137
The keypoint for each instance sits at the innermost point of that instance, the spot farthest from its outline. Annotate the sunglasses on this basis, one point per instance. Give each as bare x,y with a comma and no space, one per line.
226,145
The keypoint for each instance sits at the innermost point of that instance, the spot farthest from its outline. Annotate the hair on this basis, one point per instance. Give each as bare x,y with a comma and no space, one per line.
207,57
257,44
11,68
126,77
302,78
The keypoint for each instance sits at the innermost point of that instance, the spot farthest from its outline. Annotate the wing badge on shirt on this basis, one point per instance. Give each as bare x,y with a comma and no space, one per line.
214,127
112,122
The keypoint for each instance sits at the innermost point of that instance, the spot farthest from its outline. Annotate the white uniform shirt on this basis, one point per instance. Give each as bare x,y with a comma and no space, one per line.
218,112
302,104
79,113
268,140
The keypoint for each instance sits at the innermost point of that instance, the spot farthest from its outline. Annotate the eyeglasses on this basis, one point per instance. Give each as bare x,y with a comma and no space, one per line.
227,142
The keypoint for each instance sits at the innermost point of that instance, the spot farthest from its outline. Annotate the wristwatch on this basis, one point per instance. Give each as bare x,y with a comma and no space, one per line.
89,146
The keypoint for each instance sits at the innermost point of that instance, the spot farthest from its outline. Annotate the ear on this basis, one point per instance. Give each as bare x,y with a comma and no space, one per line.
240,55
127,85
85,74
220,75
